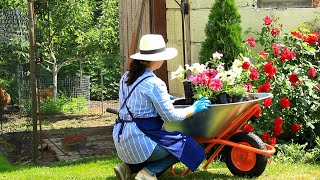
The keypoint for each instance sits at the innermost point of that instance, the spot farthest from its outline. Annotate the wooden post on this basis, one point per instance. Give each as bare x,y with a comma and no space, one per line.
187,30
33,81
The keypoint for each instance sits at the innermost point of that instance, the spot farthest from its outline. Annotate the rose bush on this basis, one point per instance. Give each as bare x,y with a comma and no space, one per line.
288,67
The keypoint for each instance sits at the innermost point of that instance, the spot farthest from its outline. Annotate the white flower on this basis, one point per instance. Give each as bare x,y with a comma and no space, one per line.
236,63
220,68
217,55
246,59
178,74
236,71
196,68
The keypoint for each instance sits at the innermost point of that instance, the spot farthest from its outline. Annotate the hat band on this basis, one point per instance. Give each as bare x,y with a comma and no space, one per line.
152,51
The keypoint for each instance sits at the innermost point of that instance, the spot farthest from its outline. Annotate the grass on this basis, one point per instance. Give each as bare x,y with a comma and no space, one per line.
102,168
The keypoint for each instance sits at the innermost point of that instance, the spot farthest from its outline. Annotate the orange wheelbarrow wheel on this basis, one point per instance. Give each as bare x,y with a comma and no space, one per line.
244,162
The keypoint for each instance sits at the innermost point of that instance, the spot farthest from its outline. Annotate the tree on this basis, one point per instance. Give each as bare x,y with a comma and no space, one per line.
58,27
223,32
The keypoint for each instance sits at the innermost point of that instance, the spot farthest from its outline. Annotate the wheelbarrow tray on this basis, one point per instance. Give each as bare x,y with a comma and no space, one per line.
212,122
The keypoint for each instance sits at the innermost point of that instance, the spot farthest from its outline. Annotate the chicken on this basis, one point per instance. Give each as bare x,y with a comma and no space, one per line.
5,98
45,93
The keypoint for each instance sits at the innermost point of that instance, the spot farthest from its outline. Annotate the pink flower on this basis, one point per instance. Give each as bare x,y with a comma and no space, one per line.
264,54
275,31
276,48
215,84
312,72
248,86
267,20
251,42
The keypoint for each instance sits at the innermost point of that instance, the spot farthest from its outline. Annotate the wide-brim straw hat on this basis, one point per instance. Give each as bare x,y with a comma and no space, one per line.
153,48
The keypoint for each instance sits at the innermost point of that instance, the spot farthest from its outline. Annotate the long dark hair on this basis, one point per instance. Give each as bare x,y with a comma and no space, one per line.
136,70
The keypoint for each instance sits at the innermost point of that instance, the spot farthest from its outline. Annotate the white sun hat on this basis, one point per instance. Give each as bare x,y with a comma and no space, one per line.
153,48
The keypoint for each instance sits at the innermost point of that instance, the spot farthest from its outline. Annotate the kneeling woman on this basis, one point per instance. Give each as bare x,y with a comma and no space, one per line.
141,143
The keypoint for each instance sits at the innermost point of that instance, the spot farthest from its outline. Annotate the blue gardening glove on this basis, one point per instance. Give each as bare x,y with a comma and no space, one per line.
171,97
201,104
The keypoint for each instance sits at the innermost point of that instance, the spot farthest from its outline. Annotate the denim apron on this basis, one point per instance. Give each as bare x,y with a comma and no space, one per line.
180,145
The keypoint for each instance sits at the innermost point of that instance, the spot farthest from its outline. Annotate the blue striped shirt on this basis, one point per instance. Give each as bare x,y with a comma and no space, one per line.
149,99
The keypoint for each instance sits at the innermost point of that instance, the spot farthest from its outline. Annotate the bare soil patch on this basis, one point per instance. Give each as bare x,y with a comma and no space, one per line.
95,124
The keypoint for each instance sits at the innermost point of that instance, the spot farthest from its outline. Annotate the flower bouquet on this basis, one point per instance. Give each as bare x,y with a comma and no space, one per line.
212,80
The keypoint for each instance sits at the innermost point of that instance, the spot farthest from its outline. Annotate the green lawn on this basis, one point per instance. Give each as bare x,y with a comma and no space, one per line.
102,168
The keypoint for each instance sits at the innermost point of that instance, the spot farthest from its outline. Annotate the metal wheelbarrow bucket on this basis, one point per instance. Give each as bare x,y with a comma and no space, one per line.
245,154
212,122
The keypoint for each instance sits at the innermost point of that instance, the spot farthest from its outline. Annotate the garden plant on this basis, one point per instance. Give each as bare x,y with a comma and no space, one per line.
223,32
287,67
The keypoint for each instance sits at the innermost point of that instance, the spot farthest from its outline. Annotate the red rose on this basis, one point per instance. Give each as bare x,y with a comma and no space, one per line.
254,74
275,31
295,127
284,103
267,102
276,48
293,78
267,20
245,65
257,113
287,55
318,87
248,128
266,87
273,141
264,54
270,69
278,122
312,38
265,136
312,72
251,42
277,130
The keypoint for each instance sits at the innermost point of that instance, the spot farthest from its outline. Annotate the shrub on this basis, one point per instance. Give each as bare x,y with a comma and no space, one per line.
223,32
288,68
293,153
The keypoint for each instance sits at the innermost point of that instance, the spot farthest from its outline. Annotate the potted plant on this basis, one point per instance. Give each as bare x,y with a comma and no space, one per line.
215,83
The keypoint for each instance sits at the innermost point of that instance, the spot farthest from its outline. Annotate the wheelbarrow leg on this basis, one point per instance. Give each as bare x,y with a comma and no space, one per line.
216,152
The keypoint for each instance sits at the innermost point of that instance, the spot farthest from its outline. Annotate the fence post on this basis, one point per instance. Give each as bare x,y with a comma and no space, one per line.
33,81
102,108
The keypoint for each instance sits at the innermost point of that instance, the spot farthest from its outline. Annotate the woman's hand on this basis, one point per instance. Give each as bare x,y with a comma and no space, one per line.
201,104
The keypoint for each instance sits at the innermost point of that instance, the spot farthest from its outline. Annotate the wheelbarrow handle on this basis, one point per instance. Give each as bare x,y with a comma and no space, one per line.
113,111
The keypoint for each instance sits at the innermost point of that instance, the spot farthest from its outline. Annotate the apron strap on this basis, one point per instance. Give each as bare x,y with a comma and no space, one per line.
125,103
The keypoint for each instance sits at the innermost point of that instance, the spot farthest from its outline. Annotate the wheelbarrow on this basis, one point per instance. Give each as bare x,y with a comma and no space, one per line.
245,154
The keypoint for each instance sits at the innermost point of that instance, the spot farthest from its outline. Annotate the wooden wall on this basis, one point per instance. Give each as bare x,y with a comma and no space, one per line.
153,21
129,18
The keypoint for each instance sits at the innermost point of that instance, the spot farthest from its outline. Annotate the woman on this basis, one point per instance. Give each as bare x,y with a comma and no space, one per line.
144,104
